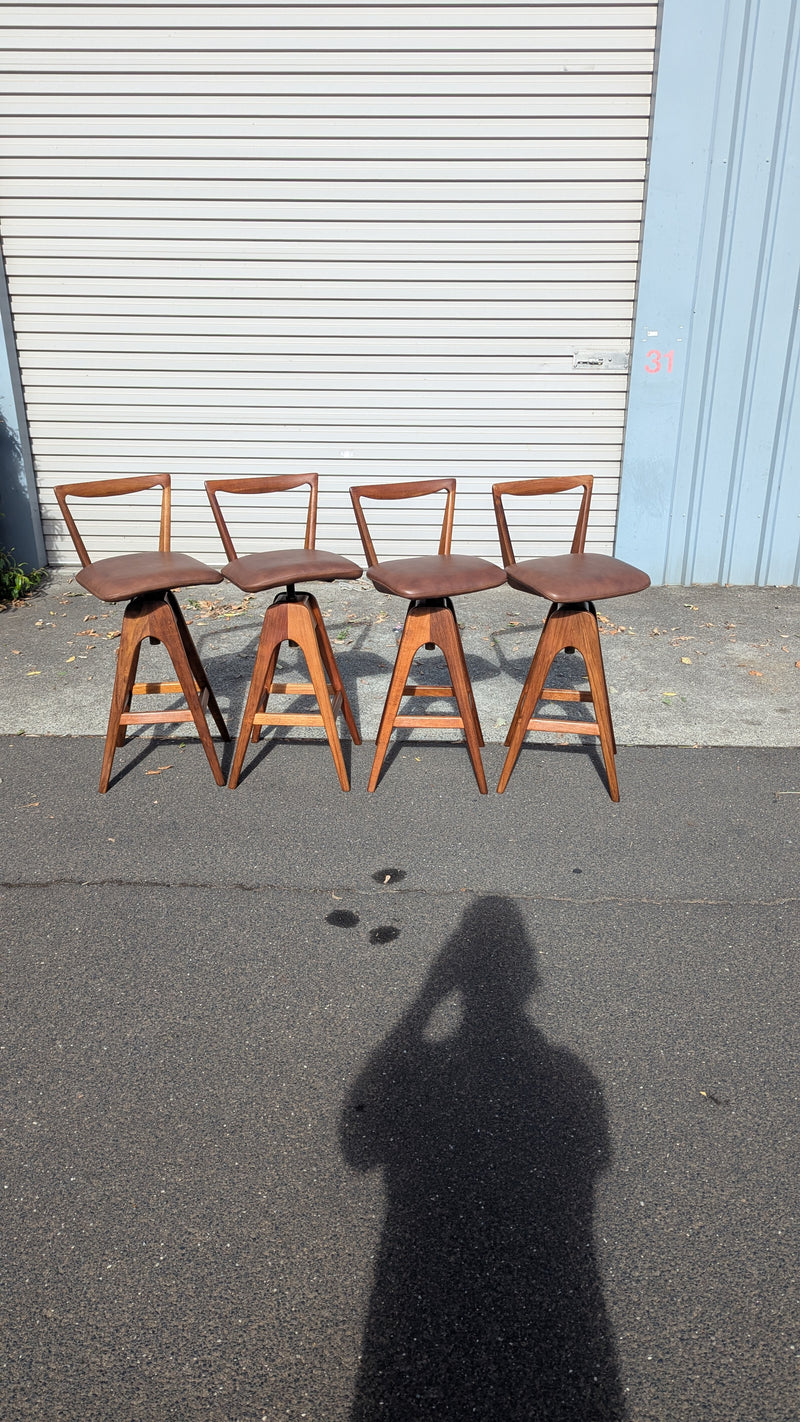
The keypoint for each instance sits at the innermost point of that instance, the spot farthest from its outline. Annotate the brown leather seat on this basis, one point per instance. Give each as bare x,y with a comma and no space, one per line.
292,617
427,583
146,582
256,572
577,577
132,574
434,575
571,582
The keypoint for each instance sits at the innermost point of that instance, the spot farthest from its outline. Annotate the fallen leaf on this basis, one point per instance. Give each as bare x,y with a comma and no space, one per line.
687,661
90,617
755,673
33,673
70,659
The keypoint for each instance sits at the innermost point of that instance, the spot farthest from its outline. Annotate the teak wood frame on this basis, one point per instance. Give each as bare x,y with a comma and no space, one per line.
292,617
156,615
569,627
429,622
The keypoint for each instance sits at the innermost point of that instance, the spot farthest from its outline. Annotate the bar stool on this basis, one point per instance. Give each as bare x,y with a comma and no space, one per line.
571,582
428,583
146,582
292,617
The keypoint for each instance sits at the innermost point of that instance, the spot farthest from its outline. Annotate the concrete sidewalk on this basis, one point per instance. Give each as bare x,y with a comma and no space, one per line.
702,666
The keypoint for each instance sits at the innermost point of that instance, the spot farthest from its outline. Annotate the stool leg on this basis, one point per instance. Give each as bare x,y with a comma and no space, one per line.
133,633
547,647
293,620
168,631
154,617
326,651
593,657
572,625
273,633
445,629
198,670
269,676
412,638
304,632
449,605
126,705
425,626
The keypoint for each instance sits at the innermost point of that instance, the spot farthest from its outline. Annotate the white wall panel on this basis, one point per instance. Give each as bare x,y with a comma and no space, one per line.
365,239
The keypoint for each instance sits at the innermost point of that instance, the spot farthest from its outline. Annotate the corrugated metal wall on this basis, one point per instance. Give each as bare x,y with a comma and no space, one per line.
366,239
710,489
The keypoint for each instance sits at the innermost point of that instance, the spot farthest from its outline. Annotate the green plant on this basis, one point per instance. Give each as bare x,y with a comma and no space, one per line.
17,581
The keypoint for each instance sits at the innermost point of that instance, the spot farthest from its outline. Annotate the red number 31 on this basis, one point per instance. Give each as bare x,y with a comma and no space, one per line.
657,362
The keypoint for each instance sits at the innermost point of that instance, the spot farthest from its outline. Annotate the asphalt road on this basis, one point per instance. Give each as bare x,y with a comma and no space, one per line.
417,1105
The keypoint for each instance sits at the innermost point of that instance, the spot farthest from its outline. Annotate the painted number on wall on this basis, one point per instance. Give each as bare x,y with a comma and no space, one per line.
658,361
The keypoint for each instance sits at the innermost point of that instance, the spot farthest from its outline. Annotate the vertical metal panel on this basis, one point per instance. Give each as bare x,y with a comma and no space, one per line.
20,523
709,493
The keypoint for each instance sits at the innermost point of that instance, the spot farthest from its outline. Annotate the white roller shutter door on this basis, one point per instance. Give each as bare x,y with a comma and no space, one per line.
370,240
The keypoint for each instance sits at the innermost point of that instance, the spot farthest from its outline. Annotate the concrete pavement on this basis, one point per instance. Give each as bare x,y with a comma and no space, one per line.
708,666
415,1105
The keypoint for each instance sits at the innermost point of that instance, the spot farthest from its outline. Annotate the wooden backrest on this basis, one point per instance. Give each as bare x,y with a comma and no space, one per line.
412,489
547,485
263,484
111,489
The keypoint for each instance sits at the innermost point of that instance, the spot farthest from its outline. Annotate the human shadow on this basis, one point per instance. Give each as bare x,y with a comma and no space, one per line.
487,1299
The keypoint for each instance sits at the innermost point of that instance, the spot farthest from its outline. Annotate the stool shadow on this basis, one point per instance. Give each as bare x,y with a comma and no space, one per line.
487,1299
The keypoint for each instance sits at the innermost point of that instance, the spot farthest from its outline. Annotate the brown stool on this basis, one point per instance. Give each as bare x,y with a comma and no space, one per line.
428,583
146,582
571,582
292,617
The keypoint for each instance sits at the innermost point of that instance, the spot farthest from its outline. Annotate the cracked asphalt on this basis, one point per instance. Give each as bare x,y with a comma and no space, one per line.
417,1105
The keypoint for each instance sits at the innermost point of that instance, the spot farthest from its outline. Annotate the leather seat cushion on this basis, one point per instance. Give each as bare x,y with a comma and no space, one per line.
130,574
274,569
577,577
435,575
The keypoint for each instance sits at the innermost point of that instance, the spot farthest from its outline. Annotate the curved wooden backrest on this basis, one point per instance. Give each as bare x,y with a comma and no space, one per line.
412,489
262,484
547,485
110,489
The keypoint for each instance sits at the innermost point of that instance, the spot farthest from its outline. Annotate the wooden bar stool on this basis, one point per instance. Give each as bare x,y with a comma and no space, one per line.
571,582
146,582
428,583
292,617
